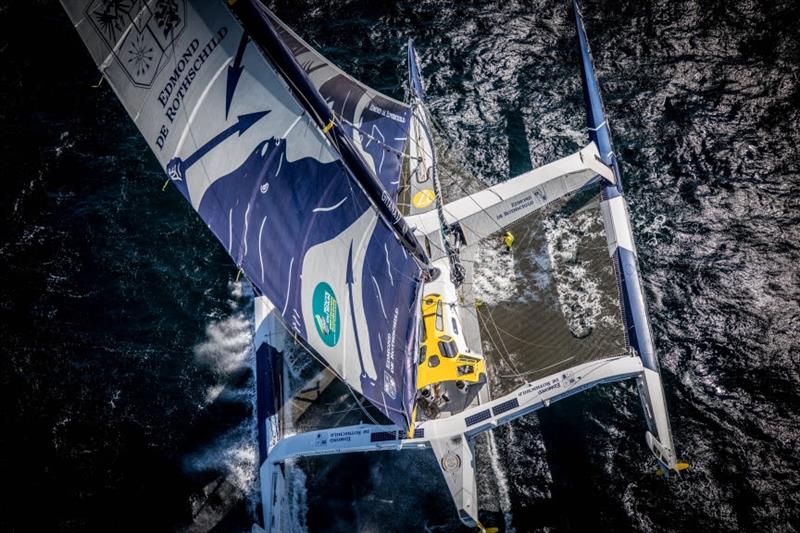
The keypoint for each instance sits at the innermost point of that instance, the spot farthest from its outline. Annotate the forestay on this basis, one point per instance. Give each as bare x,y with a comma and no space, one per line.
239,147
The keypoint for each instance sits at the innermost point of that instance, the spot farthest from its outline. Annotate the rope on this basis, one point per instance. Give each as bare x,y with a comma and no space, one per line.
504,347
363,409
537,370
536,345
457,272
499,347
378,141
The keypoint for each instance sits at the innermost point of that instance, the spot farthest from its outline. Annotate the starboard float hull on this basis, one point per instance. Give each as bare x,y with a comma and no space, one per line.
621,247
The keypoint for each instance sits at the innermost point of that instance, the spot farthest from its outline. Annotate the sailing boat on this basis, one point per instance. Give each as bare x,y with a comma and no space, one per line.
327,196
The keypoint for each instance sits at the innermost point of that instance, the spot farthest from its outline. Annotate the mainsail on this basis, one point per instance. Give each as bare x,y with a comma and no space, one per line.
236,142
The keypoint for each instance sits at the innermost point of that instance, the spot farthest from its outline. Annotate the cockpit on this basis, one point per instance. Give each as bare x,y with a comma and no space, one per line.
440,359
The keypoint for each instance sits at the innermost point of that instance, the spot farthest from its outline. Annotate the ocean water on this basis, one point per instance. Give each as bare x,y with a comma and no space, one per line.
126,366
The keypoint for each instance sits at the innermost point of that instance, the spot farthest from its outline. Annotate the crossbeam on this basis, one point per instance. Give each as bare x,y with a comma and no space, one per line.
496,208
459,428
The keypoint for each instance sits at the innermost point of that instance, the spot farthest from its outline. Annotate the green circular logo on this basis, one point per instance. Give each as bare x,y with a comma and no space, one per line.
326,314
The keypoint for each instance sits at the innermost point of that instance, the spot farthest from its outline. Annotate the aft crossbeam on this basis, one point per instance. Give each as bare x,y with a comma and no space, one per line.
443,434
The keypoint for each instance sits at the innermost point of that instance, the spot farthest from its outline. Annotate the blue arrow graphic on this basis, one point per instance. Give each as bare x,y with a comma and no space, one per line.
234,72
177,167
349,280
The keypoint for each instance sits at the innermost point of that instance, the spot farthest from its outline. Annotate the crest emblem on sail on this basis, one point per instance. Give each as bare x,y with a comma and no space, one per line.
139,34
273,191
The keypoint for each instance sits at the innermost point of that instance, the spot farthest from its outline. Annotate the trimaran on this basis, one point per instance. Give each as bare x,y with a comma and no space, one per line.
327,196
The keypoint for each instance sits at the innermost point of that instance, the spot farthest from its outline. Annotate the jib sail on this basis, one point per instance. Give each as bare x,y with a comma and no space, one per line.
377,123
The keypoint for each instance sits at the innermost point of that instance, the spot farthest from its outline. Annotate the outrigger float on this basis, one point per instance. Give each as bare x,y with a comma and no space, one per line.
327,195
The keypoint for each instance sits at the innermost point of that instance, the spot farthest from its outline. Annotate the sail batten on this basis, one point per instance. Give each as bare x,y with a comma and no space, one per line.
232,137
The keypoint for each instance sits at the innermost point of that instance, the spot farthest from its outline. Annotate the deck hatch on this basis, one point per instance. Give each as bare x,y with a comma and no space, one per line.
478,417
383,436
505,406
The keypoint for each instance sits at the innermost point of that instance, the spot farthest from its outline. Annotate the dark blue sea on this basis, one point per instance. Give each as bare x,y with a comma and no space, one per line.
125,339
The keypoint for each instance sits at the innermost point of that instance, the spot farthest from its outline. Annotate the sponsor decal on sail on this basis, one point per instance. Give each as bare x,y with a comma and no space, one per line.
326,314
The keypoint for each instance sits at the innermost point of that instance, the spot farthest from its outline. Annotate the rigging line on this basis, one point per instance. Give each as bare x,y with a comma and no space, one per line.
377,141
420,120
341,411
439,127
472,198
302,344
421,148
462,225
599,364
457,158
537,370
504,347
494,323
363,409
498,345
428,134
413,173
537,345
457,271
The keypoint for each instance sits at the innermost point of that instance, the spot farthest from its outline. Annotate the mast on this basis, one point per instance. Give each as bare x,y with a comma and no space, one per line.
264,35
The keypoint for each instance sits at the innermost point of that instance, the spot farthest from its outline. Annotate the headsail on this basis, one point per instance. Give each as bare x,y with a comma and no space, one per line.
238,145
378,124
